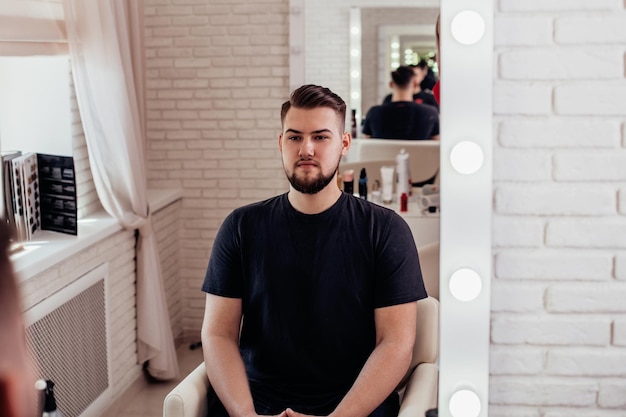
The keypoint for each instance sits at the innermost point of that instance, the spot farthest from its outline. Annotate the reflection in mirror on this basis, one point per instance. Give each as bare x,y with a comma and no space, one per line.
381,39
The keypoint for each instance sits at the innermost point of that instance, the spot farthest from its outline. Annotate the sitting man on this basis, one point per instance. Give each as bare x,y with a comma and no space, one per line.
420,96
402,118
325,282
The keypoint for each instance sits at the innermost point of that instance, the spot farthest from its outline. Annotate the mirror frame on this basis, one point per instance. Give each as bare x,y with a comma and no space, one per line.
466,199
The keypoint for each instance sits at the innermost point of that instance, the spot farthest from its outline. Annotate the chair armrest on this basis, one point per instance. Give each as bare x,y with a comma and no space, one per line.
189,397
420,394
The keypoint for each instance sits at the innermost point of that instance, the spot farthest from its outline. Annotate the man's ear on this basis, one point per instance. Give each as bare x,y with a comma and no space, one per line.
280,142
346,141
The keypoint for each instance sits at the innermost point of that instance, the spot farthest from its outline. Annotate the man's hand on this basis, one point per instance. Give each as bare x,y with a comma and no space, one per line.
290,413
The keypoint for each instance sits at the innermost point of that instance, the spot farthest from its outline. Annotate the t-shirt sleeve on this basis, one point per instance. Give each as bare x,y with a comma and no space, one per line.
224,273
399,274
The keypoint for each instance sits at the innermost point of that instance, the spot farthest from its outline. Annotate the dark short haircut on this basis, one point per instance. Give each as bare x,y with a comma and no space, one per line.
402,76
311,96
422,64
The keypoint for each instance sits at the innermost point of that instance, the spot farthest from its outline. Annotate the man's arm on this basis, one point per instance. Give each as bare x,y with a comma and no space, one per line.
220,345
387,364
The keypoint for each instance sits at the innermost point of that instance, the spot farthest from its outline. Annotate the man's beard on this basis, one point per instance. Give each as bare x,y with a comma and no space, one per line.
313,186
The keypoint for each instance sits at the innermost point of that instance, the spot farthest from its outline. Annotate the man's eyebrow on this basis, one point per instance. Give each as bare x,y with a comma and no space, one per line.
314,132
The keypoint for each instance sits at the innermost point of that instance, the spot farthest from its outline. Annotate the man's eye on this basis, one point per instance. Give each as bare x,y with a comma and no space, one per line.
294,137
321,137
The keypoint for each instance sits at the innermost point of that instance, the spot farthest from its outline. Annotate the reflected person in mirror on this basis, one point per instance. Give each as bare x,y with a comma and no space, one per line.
311,294
402,118
17,377
420,95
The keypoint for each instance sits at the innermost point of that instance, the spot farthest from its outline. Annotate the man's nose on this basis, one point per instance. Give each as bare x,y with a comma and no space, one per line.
307,147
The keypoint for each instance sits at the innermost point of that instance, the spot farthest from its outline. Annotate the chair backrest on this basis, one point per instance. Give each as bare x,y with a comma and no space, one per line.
426,348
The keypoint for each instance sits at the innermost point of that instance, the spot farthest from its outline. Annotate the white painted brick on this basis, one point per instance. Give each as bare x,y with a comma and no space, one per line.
620,266
541,392
606,29
619,332
583,166
587,298
549,330
558,5
521,165
609,98
612,394
517,232
514,411
555,199
592,233
522,98
512,30
587,412
586,362
561,63
553,265
504,360
513,297
559,133
621,201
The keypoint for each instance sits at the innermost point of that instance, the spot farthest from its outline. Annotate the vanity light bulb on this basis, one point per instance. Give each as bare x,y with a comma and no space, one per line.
465,284
355,74
355,95
354,52
467,27
464,403
466,157
355,30
395,45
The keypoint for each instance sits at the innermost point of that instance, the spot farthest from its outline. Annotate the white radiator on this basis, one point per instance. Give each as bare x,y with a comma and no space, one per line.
69,338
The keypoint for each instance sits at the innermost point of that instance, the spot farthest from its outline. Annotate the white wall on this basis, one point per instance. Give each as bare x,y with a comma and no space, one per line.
558,321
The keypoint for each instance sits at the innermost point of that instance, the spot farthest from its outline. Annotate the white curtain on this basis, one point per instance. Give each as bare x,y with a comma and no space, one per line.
105,38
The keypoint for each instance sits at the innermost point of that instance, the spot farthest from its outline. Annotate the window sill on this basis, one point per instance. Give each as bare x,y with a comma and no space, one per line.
50,248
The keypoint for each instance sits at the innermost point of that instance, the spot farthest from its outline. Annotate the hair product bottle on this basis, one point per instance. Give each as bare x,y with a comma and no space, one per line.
402,167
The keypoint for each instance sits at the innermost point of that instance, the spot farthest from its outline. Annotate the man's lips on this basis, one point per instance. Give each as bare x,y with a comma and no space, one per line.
306,164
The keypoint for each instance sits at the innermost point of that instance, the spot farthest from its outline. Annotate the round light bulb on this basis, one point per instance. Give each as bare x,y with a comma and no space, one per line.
354,52
467,27
465,284
466,157
355,30
355,95
464,403
355,74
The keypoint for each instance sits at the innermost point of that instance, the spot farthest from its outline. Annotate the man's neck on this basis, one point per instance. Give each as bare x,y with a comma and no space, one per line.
402,95
315,203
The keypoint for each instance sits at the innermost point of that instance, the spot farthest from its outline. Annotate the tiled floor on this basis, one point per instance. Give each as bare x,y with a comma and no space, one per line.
147,399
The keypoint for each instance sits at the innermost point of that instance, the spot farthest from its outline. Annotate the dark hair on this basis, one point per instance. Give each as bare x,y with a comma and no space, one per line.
402,76
311,96
422,64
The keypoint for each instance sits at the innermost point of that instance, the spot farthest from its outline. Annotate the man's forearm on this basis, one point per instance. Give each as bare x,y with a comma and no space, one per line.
227,375
380,375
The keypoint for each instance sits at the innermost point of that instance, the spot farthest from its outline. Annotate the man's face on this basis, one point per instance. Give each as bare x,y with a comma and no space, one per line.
311,144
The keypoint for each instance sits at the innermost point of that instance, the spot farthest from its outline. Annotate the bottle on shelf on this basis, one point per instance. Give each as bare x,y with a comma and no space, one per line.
49,402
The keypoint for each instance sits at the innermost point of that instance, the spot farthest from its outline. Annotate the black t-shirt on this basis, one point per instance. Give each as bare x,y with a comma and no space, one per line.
401,120
423,97
309,285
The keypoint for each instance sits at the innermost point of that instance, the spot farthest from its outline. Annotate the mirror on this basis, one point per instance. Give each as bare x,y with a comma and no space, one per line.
320,54
381,39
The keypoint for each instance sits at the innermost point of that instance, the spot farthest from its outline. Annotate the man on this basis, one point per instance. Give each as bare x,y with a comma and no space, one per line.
326,284
17,377
402,118
420,95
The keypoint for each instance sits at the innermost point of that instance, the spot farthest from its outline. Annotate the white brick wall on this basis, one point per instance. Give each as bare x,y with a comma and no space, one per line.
558,313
